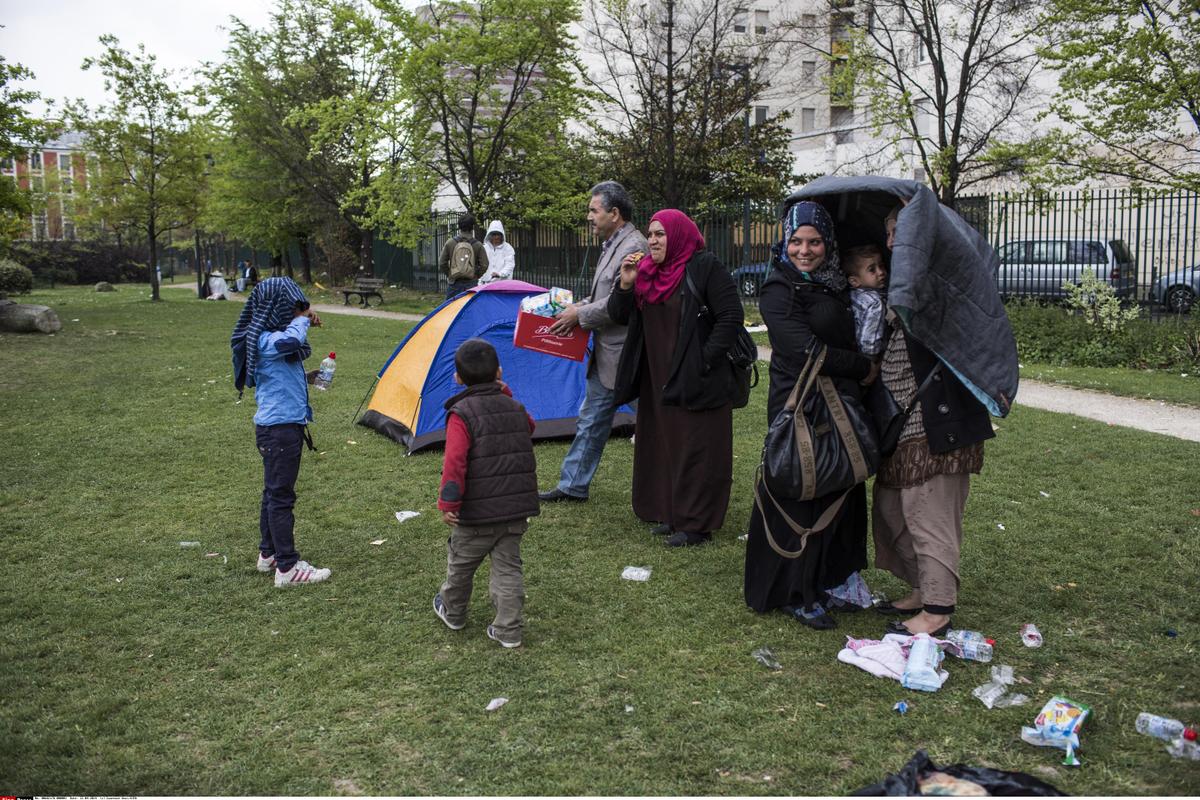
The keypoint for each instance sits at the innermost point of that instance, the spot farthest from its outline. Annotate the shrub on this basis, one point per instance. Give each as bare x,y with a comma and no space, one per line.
1053,335
83,262
14,278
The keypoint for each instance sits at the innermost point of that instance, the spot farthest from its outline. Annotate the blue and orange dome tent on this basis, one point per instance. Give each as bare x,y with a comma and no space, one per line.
407,403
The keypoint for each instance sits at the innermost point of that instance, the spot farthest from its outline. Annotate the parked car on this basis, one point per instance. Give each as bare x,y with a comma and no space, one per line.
749,278
1177,291
1040,267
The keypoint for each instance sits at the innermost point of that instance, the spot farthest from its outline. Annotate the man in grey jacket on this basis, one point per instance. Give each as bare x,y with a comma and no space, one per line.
609,212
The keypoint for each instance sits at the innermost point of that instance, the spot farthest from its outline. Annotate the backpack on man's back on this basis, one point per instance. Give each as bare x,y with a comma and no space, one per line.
462,261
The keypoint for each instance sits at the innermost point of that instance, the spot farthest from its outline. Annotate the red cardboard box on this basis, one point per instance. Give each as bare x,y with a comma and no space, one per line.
533,333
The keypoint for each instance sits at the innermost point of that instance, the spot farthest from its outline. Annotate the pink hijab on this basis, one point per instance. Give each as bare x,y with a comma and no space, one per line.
656,282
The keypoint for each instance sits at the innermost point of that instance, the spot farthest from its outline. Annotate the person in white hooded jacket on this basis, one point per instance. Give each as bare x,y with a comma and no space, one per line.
502,258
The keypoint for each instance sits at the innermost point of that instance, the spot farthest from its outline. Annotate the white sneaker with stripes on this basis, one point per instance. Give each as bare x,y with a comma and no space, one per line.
266,564
301,574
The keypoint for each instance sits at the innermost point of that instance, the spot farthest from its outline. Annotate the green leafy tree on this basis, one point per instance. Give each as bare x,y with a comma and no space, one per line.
677,84
18,131
486,90
1129,87
149,164
300,105
945,83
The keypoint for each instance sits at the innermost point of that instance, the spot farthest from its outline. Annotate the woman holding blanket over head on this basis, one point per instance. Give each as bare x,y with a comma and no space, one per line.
683,313
804,303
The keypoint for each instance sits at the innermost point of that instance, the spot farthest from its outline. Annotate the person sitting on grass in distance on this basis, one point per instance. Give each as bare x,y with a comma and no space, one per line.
488,492
270,343
867,276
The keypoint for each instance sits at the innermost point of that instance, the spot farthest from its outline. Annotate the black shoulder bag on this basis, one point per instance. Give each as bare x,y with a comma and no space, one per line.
743,358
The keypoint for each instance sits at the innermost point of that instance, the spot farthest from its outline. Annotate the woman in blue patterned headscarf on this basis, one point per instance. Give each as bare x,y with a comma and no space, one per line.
804,302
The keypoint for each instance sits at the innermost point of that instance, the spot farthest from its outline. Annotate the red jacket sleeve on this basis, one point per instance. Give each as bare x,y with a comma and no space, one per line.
454,465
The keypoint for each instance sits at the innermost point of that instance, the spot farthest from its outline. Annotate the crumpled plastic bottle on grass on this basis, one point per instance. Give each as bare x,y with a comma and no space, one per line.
1058,725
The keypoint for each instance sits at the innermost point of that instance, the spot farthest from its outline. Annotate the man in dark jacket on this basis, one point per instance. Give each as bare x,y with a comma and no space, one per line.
463,259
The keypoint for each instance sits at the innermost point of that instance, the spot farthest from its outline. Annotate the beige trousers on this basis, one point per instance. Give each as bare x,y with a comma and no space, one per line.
466,550
918,536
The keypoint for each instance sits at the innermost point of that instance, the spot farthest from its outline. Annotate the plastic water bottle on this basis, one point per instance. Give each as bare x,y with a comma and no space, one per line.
325,375
1030,635
1159,727
1185,746
973,645
921,670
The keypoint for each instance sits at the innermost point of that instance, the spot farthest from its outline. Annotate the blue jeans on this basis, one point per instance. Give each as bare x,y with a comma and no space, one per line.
591,434
280,446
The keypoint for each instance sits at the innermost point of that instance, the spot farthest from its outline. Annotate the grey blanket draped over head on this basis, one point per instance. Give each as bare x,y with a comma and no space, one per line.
271,307
942,280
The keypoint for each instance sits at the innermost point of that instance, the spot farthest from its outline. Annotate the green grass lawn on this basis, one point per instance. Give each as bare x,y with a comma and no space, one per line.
1182,388
129,665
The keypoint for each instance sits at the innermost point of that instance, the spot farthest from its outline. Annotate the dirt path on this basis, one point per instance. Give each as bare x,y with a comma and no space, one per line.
325,308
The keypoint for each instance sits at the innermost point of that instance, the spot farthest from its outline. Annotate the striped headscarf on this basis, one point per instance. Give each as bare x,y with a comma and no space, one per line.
271,307
807,212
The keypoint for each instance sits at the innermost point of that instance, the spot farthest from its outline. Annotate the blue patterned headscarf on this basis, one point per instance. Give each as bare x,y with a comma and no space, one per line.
271,307
809,213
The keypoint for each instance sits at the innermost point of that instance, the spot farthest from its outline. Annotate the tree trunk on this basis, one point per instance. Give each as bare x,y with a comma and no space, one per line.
25,318
152,235
366,253
305,261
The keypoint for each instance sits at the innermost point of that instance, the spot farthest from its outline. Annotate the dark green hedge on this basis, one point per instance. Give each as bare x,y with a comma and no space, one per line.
1053,335
82,262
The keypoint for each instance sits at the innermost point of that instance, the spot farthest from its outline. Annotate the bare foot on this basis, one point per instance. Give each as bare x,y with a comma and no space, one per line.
926,622
910,603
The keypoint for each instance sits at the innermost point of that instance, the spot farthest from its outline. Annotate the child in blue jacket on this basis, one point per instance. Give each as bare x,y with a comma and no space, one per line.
270,343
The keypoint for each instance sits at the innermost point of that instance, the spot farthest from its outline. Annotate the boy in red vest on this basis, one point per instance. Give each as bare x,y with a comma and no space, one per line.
488,492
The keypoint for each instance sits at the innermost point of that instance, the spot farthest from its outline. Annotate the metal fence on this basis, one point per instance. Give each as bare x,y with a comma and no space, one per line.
1142,243
1133,239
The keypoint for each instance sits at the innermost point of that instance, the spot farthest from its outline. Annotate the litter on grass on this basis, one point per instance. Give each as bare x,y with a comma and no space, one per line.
1058,725
496,703
1043,494
211,555
884,658
402,516
901,708
994,693
636,574
378,541
189,544
766,657
853,592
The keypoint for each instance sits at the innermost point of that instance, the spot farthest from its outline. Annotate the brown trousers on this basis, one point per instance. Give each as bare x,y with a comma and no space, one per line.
469,545
918,536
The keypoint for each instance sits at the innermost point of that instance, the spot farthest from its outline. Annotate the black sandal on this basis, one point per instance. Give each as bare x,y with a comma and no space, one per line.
896,626
886,607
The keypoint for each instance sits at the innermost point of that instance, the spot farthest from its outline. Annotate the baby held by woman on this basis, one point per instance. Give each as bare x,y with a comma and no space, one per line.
867,276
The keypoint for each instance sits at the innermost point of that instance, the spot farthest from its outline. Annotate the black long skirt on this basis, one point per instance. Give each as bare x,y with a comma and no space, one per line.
828,560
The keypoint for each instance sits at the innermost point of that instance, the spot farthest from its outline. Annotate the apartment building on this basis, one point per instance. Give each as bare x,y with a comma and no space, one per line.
52,174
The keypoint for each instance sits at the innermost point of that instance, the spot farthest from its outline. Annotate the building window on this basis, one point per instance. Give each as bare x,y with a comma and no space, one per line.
808,120
6,165
921,52
35,161
808,70
37,184
64,163
919,174
66,186
760,114
740,18
68,230
761,20
808,21
923,118
842,121
39,227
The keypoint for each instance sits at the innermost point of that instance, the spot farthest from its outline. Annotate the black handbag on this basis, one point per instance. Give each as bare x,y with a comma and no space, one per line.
819,444
889,417
742,359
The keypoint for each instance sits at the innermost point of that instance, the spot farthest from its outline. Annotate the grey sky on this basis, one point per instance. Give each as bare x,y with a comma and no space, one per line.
52,37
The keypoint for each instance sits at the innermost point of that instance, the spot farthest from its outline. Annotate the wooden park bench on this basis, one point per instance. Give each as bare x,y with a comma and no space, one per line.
365,288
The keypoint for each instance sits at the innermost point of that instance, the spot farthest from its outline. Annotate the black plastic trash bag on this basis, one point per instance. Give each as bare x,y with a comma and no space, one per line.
907,782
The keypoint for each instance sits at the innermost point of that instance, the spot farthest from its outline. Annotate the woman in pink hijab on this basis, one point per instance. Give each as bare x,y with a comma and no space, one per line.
683,313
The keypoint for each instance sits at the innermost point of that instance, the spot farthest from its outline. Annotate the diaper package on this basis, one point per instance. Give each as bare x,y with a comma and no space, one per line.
548,304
